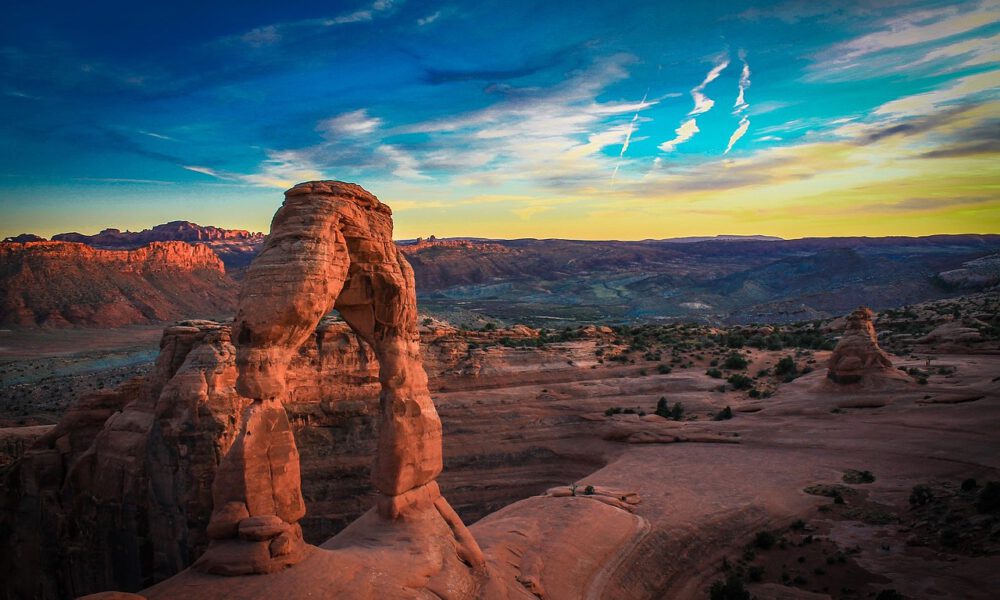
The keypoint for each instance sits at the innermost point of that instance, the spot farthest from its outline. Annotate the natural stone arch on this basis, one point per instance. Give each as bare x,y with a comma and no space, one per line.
330,247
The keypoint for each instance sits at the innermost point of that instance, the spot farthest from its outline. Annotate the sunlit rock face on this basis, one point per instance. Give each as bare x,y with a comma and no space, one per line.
330,247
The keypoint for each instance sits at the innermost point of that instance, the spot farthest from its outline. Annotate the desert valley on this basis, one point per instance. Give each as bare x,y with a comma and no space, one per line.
632,455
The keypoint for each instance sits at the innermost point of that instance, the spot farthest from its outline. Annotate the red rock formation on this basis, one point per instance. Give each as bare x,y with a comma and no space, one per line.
182,231
330,247
858,355
62,283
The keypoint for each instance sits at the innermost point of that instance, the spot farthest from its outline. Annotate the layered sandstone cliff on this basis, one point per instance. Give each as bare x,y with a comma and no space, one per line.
57,284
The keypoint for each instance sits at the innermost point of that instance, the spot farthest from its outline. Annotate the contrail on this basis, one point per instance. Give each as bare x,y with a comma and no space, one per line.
628,136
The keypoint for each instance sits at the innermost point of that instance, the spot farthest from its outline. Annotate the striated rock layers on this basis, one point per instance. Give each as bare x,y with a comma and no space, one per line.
58,284
330,247
183,231
857,356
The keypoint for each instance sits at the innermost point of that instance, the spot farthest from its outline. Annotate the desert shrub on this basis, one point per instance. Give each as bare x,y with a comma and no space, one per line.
714,362
677,411
989,497
969,484
754,393
785,367
589,490
740,381
765,540
724,414
735,341
855,476
730,589
489,327
427,321
663,408
663,369
714,373
755,573
921,495
735,361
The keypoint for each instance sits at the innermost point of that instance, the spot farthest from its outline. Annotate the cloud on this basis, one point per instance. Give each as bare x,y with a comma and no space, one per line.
405,166
703,103
682,134
207,171
740,132
349,124
157,136
740,105
429,19
959,90
920,27
901,43
911,204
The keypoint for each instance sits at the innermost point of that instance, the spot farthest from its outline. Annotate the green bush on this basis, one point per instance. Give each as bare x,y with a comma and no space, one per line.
724,414
735,362
785,367
740,381
663,408
921,495
663,369
855,476
730,589
764,540
677,411
714,373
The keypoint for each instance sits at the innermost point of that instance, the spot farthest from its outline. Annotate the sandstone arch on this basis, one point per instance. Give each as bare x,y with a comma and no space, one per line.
330,246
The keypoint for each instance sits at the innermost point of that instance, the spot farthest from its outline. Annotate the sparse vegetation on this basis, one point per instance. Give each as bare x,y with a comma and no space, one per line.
740,381
921,495
855,476
724,414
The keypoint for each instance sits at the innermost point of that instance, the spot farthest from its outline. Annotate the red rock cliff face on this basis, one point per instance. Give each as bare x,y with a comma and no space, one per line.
61,283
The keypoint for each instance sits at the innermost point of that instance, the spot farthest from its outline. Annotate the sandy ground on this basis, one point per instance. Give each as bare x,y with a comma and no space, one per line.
704,504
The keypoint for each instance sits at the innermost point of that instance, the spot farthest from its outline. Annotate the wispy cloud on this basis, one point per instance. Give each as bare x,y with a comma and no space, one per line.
702,103
740,105
158,136
741,130
909,41
281,33
682,134
350,124
207,171
423,21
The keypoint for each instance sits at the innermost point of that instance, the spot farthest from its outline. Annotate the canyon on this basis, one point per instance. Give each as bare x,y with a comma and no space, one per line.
552,282
248,447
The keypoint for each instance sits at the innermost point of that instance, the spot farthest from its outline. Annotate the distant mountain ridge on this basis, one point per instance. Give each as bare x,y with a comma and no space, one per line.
724,279
179,231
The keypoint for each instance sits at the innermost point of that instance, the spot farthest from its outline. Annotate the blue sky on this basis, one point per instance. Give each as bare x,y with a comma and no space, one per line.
507,119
